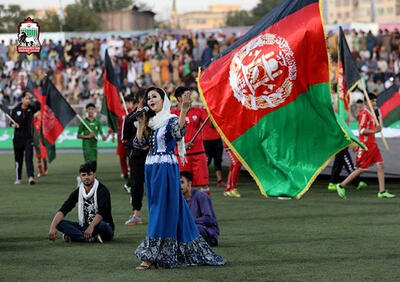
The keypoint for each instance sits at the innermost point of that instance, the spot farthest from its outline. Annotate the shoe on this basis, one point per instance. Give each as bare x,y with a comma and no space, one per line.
206,190
95,239
361,185
284,198
341,191
66,238
332,186
127,189
134,220
46,172
17,182
39,175
221,184
31,180
235,193
228,193
385,194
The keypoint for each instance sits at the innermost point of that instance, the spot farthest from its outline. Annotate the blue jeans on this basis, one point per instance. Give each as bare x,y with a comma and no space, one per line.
76,232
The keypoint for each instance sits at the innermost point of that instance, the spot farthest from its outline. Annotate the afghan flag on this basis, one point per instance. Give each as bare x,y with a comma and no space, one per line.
348,76
389,104
56,114
37,123
269,97
111,107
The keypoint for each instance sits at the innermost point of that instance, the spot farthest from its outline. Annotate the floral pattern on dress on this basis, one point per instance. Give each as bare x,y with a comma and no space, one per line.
169,253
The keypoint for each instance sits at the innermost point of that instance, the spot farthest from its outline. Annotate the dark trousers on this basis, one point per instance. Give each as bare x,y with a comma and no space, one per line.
21,147
136,162
342,159
76,231
214,150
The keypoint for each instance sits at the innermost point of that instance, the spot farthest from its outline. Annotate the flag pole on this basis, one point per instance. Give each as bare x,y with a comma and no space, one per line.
373,113
123,102
84,123
199,130
10,118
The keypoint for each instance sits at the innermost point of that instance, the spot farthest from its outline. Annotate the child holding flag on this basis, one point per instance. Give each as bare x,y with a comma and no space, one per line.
89,138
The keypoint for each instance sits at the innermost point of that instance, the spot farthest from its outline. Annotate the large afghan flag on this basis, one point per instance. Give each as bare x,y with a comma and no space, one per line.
111,107
269,97
56,114
389,104
348,76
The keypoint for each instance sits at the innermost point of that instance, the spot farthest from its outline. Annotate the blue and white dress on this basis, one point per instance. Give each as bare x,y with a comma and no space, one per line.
173,239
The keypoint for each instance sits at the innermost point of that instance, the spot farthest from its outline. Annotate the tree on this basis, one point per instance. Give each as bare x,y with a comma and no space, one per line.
11,16
263,8
80,18
50,22
239,18
106,5
243,17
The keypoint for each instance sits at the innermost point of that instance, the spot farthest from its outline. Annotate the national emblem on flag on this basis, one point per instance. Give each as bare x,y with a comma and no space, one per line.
268,95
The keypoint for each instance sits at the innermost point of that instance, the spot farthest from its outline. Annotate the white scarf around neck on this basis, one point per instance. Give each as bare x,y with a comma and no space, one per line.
161,118
83,195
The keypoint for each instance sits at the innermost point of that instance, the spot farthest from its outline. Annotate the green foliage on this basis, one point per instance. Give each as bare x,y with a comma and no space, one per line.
11,16
80,18
106,5
239,18
50,23
245,18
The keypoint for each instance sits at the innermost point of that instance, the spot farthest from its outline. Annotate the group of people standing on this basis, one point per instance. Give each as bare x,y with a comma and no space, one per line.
182,224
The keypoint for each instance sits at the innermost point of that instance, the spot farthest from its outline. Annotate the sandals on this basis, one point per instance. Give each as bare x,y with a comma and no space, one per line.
145,266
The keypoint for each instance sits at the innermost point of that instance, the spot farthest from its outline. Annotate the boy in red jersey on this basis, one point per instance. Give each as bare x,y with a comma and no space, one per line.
195,153
364,158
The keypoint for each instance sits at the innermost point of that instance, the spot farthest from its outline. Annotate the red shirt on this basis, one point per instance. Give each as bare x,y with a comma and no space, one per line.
209,132
194,118
366,121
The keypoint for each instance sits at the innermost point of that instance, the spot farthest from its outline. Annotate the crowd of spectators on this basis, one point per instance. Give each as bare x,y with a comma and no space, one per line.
166,60
76,67
377,57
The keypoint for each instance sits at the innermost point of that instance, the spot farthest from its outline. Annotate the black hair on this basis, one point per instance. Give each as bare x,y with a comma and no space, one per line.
160,91
359,101
129,98
371,96
187,175
138,95
157,89
87,168
90,105
180,90
24,93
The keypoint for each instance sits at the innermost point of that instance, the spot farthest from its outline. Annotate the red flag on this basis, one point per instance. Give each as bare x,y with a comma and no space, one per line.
112,107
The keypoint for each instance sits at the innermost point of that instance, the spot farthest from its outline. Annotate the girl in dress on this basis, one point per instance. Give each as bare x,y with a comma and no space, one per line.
172,237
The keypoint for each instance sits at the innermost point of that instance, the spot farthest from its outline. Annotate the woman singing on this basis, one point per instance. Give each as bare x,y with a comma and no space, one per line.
172,236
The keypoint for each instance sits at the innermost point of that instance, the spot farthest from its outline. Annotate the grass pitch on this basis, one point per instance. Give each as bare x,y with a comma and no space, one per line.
317,238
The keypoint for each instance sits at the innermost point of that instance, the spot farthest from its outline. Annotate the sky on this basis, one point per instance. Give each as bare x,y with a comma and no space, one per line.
161,7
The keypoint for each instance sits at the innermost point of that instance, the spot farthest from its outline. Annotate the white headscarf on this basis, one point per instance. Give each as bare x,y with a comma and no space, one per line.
161,118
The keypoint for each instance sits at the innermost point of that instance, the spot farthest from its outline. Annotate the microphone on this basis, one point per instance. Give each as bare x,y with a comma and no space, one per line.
138,113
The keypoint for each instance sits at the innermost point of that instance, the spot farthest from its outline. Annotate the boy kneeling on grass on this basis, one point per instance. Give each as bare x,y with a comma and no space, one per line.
94,211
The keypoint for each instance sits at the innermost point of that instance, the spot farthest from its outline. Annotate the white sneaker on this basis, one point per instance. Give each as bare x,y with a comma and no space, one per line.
31,180
39,175
127,189
17,181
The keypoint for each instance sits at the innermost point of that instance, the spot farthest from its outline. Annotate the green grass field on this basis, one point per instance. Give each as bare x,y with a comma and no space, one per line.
317,238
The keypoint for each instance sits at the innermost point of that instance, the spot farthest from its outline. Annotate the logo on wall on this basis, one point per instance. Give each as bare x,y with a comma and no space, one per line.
28,37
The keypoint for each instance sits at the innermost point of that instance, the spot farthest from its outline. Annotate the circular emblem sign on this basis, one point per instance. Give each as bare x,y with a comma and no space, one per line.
262,72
